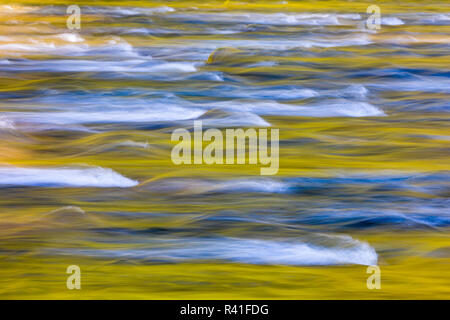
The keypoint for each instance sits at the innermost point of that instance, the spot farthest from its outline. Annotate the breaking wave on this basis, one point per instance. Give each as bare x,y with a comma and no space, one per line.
63,177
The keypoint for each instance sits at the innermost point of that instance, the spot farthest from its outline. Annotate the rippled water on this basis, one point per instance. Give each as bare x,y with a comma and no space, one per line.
86,178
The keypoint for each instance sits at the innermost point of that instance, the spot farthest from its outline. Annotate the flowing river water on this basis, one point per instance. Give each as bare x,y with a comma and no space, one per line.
86,177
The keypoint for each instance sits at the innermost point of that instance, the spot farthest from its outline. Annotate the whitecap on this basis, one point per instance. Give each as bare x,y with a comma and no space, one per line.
253,251
112,111
6,123
278,252
125,66
126,11
254,185
330,108
73,46
174,67
418,83
122,116
310,19
426,18
263,92
63,177
207,76
197,186
70,37
217,118
391,21
263,64
357,91
357,39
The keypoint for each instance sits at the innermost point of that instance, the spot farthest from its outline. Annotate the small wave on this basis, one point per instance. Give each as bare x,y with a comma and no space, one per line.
126,11
437,19
426,18
72,45
206,76
372,219
309,19
70,37
391,21
276,252
194,186
153,112
15,9
260,186
264,92
332,108
417,83
253,251
263,64
334,185
174,67
124,66
64,177
6,123
218,118
353,91
133,144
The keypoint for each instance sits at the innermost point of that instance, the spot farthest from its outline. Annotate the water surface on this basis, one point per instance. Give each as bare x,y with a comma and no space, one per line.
86,177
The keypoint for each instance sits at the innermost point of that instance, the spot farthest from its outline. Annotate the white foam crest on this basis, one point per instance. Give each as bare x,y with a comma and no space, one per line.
332,108
6,123
196,186
174,67
135,115
128,66
73,46
64,177
162,9
442,18
105,108
238,119
207,76
259,186
15,9
133,144
281,253
127,11
352,91
263,64
419,83
311,19
255,251
391,21
70,37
